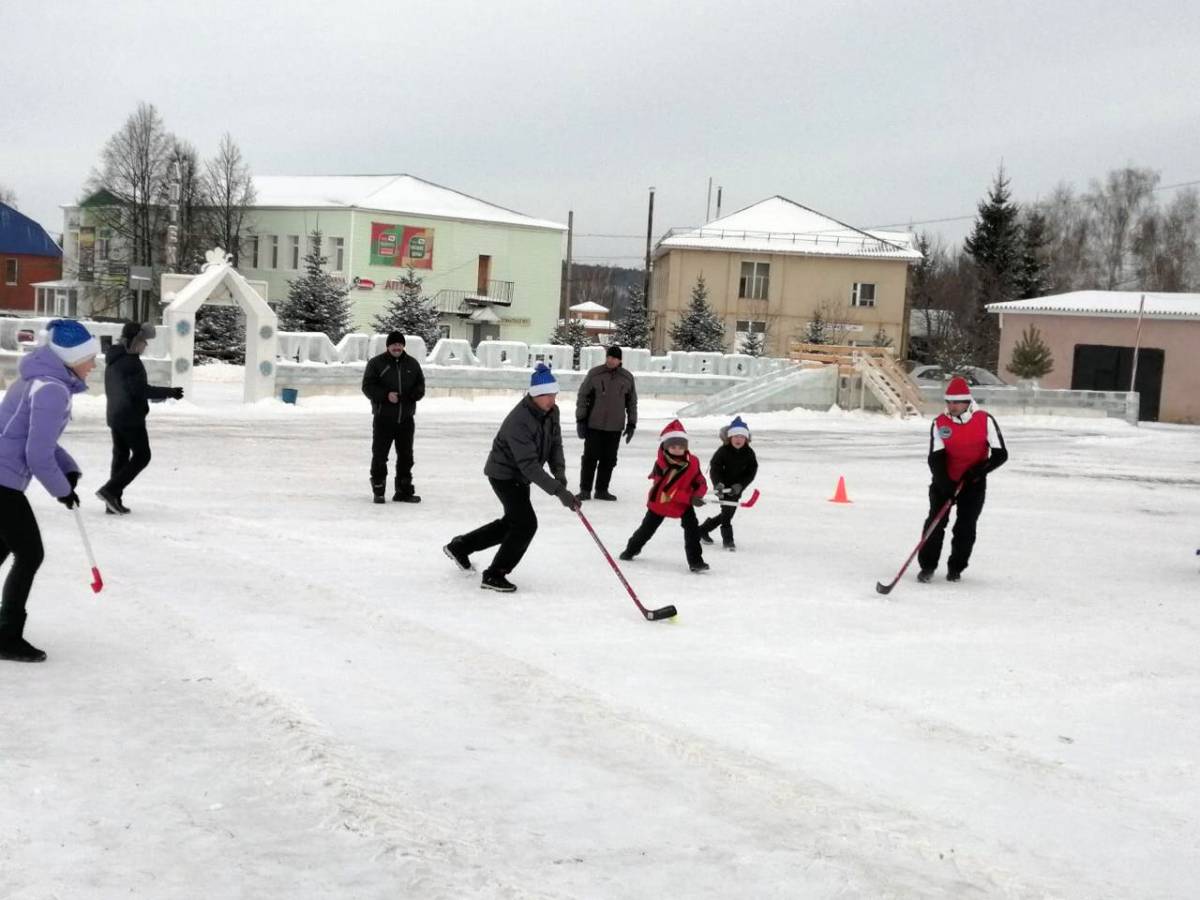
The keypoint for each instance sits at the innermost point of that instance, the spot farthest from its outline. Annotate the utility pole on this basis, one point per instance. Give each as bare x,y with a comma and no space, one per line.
566,303
719,189
649,233
708,203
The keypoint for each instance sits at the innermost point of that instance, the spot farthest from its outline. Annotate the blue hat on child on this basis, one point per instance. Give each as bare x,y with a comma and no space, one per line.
736,427
70,341
542,381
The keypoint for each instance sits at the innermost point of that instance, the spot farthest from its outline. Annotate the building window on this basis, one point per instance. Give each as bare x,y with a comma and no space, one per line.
10,271
252,251
274,251
745,327
753,283
339,254
294,251
102,247
863,294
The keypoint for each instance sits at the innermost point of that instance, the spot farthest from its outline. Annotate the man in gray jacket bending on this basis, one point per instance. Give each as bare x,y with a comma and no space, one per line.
529,438
605,407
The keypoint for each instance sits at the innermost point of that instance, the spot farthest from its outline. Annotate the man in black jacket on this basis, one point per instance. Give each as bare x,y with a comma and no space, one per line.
128,398
529,439
394,383
605,406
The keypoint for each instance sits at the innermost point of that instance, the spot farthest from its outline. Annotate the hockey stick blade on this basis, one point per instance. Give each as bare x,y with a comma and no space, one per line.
753,499
884,588
653,615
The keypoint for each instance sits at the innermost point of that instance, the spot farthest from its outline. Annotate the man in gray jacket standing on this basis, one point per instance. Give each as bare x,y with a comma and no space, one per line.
529,438
605,407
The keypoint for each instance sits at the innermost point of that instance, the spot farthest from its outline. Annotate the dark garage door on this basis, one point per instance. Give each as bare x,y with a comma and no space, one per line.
1102,368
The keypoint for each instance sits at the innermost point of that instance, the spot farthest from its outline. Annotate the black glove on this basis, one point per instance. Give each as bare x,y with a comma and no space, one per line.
736,490
629,430
73,479
581,429
567,498
176,393
70,501
697,501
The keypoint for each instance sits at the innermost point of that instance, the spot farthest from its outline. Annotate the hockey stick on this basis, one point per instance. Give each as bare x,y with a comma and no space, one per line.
652,615
97,581
745,504
887,588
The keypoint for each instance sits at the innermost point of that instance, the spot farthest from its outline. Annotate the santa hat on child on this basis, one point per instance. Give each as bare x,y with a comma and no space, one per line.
70,341
542,381
673,432
958,389
736,427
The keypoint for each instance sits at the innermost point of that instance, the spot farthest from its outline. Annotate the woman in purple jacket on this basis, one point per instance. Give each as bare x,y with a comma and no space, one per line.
33,414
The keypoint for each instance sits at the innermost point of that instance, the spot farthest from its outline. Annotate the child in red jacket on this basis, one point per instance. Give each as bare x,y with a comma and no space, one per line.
678,488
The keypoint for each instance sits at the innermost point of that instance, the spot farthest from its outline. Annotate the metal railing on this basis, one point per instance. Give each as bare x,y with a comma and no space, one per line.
457,300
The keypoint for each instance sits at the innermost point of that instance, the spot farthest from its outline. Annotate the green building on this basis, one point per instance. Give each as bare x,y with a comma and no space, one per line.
491,272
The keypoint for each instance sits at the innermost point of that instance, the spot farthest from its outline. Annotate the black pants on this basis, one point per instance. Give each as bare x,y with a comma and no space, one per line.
513,531
650,523
723,520
386,433
966,512
130,454
21,539
599,458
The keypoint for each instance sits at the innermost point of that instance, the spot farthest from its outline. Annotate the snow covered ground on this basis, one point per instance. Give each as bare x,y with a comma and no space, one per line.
286,691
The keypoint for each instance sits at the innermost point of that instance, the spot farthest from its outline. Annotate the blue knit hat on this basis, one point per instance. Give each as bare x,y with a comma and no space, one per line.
736,427
542,381
70,341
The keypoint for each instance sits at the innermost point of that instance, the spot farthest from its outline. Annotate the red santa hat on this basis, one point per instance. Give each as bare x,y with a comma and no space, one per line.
958,389
673,432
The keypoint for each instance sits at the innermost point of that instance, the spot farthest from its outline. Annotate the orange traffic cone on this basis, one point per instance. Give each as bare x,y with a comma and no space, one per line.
839,496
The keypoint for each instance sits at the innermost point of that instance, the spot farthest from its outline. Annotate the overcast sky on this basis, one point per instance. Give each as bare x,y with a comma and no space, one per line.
875,113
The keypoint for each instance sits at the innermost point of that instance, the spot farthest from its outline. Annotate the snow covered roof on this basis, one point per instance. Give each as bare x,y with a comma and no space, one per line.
405,194
1114,304
21,236
780,225
589,306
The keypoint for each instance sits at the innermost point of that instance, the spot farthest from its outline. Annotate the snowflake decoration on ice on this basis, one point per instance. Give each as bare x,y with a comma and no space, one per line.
216,257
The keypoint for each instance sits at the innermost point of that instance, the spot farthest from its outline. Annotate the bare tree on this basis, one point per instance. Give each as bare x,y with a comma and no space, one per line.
229,190
1117,204
1069,229
134,169
193,205
8,195
1166,245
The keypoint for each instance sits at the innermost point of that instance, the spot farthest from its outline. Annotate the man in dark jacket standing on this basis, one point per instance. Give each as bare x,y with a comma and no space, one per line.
529,439
605,407
128,398
394,383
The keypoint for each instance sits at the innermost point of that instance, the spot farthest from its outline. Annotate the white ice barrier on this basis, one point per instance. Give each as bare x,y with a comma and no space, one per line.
452,352
706,363
659,364
560,357
353,347
681,362
502,354
739,365
635,359
590,357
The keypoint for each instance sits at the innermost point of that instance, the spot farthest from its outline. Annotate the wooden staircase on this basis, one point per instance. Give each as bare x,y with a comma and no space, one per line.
878,369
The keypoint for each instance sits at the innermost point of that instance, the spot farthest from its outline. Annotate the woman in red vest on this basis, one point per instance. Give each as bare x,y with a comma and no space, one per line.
965,444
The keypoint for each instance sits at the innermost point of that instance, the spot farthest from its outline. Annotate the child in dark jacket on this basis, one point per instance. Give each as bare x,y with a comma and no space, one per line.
678,487
732,468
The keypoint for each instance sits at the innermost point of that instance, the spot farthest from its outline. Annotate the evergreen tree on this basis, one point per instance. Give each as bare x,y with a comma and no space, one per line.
698,328
754,343
633,328
316,300
817,331
1031,357
573,333
220,335
1034,277
995,246
410,313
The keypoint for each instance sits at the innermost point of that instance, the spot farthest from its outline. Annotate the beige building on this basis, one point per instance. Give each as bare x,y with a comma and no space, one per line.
771,267
1092,336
